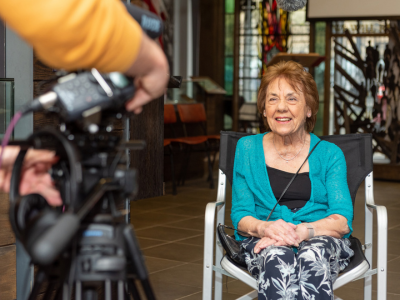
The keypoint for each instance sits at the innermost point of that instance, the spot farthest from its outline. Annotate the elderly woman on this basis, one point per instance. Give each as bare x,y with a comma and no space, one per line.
299,251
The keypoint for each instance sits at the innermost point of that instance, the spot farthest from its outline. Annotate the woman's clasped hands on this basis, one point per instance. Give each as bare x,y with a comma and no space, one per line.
279,233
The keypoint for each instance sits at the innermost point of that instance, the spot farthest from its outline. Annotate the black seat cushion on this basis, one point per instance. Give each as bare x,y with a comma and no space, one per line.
358,256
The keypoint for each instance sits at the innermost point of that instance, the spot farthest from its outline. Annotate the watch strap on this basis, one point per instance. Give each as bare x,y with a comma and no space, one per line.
311,231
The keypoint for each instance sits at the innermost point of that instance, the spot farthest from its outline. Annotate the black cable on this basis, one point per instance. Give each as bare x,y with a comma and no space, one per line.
14,190
75,176
115,162
295,175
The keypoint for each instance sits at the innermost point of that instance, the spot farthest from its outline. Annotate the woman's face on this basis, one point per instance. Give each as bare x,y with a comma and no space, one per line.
285,109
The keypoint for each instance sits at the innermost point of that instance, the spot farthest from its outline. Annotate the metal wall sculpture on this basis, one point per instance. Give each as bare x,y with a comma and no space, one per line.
372,104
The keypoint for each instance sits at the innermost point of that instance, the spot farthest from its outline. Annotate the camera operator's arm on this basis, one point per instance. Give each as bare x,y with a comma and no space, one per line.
150,71
35,176
76,34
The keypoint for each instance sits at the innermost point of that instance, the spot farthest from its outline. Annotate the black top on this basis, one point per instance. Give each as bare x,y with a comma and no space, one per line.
298,193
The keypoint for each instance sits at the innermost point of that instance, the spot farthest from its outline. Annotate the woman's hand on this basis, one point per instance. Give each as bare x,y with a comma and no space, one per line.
302,232
280,231
266,242
35,177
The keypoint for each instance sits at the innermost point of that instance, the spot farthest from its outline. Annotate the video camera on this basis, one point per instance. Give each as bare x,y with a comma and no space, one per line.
84,244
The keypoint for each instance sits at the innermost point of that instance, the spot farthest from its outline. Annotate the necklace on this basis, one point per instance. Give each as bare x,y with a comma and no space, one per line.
287,160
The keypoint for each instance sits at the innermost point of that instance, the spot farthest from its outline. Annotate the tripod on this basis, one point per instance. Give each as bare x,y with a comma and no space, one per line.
88,248
105,254
85,245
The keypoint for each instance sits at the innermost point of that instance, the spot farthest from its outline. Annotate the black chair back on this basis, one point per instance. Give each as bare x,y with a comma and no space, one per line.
357,149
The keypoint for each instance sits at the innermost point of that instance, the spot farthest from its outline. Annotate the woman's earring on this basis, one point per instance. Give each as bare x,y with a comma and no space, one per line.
308,115
264,114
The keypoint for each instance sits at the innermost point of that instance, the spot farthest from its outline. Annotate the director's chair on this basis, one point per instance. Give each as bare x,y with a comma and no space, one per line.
357,149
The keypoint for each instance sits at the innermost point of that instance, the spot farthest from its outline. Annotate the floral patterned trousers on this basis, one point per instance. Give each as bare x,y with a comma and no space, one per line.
308,274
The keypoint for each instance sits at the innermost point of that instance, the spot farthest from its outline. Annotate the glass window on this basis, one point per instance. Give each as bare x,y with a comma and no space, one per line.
374,27
339,27
229,31
320,28
299,38
6,103
229,6
229,75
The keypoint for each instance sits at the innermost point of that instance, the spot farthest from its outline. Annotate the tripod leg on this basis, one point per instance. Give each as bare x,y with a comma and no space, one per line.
40,277
58,294
65,291
136,256
90,294
133,289
121,290
107,290
49,291
78,290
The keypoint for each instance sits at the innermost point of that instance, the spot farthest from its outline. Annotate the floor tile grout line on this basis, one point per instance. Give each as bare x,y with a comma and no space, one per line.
393,258
168,226
177,241
180,215
171,260
149,238
179,220
188,295
157,225
172,267
156,209
174,241
393,227
150,247
184,219
180,265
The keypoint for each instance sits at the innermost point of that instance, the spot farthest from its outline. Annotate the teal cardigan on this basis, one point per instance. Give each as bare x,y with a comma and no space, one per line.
252,194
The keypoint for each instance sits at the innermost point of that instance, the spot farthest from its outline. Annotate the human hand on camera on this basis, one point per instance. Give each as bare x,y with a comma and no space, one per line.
150,71
280,231
35,177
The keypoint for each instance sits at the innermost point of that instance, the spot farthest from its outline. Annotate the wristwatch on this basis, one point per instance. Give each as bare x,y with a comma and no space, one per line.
310,230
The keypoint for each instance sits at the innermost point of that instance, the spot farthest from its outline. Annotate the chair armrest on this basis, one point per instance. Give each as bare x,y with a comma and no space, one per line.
208,257
209,234
209,231
382,229
382,220
381,212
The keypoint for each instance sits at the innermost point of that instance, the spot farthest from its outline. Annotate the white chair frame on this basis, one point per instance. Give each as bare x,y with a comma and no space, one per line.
215,211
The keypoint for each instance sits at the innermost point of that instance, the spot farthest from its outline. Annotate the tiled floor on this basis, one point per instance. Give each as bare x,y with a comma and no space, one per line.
170,232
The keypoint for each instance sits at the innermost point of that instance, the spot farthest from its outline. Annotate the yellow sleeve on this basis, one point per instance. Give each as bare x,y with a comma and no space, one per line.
76,34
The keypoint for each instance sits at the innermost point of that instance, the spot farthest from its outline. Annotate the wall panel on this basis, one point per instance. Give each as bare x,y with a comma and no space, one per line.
8,290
